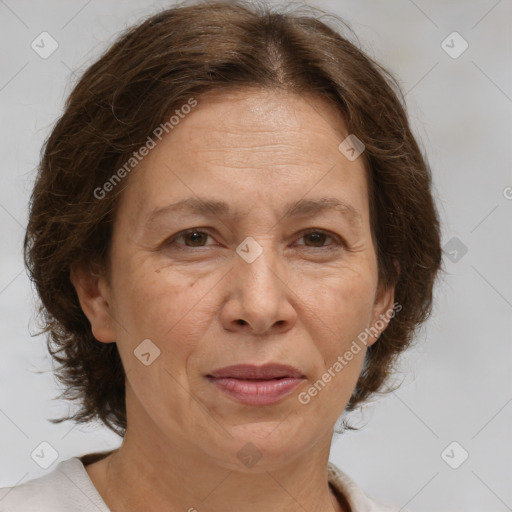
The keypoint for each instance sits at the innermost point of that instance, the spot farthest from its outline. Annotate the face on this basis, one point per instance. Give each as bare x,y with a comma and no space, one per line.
270,259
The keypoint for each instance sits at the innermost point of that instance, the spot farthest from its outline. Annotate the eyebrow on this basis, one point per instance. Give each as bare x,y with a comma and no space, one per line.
303,207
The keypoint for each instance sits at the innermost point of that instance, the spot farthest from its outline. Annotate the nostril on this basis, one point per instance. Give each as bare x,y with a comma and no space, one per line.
241,322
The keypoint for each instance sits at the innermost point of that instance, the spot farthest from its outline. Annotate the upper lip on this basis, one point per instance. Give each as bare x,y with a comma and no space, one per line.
250,371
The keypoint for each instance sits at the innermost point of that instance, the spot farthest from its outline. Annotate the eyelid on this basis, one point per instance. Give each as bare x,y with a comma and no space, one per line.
185,232
338,240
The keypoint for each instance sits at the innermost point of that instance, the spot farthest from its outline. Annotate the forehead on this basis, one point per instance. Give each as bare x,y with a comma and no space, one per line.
266,144
250,125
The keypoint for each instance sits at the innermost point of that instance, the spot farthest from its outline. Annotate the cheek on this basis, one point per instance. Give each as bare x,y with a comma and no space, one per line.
343,300
340,307
340,311
164,306
173,314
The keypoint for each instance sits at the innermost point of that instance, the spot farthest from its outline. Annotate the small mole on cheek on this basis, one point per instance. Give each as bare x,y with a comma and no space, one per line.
157,271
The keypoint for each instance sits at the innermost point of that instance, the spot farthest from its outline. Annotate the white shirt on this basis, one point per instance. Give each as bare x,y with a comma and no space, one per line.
68,488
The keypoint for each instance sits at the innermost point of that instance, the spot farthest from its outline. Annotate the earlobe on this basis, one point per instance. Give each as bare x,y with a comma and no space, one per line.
384,308
92,291
383,312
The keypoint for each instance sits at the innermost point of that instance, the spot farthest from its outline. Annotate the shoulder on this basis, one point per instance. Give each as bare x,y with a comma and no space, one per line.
67,488
356,498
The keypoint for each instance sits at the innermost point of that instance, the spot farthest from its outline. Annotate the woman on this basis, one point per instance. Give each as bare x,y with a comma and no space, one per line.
233,236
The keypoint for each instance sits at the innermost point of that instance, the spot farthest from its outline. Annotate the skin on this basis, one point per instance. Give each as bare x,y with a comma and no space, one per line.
302,302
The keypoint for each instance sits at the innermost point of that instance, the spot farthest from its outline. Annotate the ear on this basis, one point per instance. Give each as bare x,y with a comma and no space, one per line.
383,311
93,293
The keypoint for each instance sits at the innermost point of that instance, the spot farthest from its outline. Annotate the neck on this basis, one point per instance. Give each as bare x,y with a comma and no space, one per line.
144,476
169,469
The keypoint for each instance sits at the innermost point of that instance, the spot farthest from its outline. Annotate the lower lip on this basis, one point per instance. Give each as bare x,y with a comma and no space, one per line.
257,392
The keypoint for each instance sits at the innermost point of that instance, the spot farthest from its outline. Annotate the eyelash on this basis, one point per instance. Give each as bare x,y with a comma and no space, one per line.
338,241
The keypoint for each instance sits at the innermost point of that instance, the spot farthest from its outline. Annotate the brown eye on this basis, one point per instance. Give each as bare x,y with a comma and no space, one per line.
196,238
318,239
190,238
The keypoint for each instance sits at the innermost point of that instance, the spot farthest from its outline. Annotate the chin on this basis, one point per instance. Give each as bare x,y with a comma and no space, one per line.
265,445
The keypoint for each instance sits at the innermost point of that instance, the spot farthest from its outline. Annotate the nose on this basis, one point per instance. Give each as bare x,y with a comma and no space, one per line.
259,302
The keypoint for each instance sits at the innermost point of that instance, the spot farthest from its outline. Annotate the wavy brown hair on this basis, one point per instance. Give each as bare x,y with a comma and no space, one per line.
152,69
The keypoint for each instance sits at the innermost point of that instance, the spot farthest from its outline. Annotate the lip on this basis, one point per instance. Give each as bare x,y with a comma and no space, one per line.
263,372
257,385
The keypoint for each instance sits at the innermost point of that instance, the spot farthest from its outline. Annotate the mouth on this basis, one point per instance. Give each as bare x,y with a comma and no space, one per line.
257,385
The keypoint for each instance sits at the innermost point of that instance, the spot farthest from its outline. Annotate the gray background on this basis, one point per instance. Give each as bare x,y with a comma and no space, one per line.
456,380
